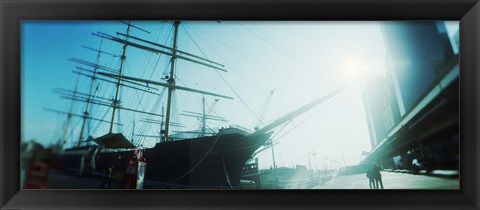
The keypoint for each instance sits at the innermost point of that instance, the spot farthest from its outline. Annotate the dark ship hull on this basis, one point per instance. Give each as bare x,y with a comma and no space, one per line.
216,160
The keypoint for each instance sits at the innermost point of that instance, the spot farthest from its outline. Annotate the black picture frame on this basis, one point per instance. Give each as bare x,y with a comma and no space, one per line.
13,11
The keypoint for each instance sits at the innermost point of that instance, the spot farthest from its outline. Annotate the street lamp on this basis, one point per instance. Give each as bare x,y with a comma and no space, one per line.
274,166
309,162
324,167
331,165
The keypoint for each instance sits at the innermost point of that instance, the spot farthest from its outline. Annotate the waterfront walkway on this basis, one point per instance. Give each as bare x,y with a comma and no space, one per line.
64,180
391,180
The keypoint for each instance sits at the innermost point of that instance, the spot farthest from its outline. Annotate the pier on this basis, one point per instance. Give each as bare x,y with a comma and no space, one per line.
439,179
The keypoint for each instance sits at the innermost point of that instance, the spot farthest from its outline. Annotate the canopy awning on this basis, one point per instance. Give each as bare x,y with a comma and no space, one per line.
114,141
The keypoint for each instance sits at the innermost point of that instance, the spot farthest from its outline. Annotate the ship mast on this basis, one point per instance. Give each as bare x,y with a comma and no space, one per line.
171,80
69,115
204,117
175,54
89,98
161,124
115,101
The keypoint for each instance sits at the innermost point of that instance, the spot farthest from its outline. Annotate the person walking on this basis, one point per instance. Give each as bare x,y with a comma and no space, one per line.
108,177
371,178
130,176
377,176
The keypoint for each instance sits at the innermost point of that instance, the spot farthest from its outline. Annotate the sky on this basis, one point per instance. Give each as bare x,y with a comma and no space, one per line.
300,61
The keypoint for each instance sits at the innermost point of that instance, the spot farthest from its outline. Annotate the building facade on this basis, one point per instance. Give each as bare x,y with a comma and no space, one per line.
417,52
413,112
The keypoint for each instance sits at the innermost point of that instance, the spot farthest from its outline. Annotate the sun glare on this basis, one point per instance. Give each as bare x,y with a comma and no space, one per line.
356,73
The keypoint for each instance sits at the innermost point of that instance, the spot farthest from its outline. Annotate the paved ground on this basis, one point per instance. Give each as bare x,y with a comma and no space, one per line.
64,180
392,180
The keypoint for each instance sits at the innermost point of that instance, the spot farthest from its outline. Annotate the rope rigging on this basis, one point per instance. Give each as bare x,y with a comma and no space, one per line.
287,81
145,127
278,47
310,116
145,103
225,81
201,159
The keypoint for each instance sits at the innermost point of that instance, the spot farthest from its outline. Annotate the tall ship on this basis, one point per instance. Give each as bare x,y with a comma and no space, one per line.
206,156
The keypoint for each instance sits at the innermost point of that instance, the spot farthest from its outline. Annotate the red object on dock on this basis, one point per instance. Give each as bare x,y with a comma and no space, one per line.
39,168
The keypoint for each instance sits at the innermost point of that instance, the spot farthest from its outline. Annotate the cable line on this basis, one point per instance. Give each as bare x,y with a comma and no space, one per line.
229,86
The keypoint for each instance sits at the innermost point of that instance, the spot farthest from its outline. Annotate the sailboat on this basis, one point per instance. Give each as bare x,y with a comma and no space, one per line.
208,158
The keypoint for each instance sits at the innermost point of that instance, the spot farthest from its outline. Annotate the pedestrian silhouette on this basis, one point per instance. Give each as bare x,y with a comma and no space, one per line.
371,178
108,177
109,173
130,175
377,176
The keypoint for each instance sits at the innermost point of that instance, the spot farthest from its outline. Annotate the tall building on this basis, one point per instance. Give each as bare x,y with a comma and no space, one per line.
374,99
420,95
417,51
381,108
391,112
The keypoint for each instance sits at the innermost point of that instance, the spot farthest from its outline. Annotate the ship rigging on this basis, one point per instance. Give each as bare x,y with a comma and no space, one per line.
203,156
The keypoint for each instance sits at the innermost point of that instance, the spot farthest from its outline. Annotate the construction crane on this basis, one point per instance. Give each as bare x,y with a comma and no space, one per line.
264,109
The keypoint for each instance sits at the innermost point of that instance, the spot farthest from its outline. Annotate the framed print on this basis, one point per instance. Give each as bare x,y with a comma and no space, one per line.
239,104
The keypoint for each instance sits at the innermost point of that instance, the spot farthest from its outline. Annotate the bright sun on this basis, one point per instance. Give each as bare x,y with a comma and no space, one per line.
355,72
